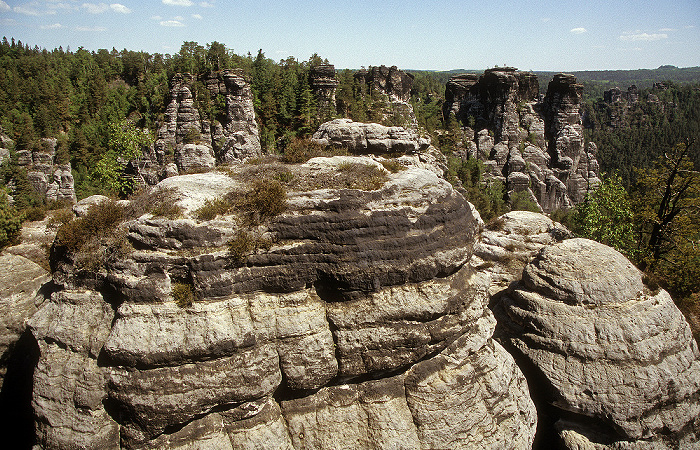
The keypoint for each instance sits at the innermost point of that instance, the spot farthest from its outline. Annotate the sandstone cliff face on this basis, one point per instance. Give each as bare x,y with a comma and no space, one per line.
194,142
348,332
396,85
530,145
324,84
47,177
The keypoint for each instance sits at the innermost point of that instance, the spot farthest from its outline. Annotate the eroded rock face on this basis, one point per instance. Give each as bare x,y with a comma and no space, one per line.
324,84
47,177
617,355
194,142
536,145
277,349
369,138
396,85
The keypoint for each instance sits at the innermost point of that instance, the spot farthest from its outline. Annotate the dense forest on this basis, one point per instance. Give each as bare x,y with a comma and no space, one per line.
646,136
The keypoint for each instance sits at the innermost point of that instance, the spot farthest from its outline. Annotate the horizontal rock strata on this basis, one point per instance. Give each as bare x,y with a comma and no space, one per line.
359,327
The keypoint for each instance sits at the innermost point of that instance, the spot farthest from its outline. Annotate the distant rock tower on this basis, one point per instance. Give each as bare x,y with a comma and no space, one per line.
323,83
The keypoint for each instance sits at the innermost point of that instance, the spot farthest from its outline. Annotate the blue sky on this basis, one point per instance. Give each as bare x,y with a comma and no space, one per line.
556,35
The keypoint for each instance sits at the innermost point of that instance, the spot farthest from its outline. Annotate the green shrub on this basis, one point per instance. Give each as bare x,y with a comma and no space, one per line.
34,213
284,176
183,294
213,208
241,245
10,222
521,201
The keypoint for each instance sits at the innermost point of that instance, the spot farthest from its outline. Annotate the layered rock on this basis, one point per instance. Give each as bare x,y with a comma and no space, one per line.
617,360
396,85
357,327
324,84
537,146
369,138
194,142
48,178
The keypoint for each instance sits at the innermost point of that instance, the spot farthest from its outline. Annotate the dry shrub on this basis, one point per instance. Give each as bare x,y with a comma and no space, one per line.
159,202
301,150
265,200
241,245
212,208
100,220
183,294
393,165
360,176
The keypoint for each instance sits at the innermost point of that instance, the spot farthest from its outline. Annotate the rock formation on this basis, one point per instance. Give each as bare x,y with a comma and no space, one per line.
616,359
49,178
530,145
396,85
369,138
194,142
324,84
362,312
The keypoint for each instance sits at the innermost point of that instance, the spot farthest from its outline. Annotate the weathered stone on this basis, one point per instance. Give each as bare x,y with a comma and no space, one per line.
20,283
367,138
610,349
69,385
194,157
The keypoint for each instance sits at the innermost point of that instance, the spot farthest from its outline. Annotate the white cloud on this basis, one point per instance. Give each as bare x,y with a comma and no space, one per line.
197,16
93,8
26,11
54,26
4,6
178,18
668,29
643,37
207,4
172,23
62,5
178,2
117,7
579,30
156,18
90,29
545,19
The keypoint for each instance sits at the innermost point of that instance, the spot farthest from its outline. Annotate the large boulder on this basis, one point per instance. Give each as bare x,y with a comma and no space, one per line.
358,325
615,356
369,138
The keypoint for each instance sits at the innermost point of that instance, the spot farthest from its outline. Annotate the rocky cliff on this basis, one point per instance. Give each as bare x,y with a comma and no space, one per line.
358,315
193,142
49,178
324,84
395,85
531,144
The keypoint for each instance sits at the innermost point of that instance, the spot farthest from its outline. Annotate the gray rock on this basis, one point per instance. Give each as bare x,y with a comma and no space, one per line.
610,349
368,138
194,157
20,283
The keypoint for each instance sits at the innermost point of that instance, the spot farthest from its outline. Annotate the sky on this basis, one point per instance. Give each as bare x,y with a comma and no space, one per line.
551,35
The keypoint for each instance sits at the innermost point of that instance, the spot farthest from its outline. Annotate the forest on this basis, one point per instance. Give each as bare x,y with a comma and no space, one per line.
648,206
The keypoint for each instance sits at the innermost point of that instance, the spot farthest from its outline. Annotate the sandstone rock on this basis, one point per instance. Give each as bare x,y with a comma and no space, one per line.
396,86
81,208
324,84
505,103
362,313
508,243
611,351
69,385
365,138
194,157
21,281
